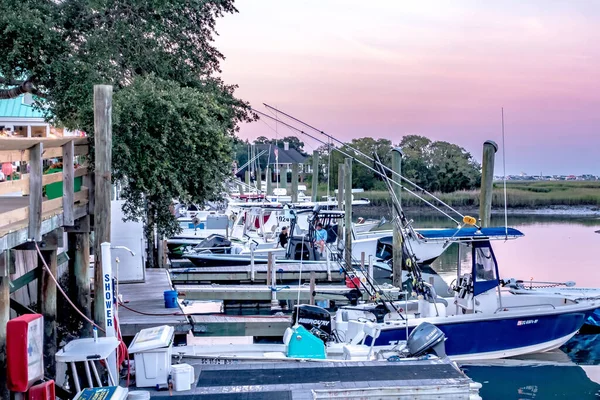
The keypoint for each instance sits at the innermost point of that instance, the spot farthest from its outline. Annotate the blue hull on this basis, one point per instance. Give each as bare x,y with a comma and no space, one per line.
594,319
475,337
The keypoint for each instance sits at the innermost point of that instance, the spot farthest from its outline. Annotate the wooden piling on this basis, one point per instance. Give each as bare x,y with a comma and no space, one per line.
103,189
487,182
348,211
247,174
258,180
4,317
340,198
68,152
78,239
397,235
269,179
270,262
35,192
283,176
47,299
240,187
315,175
294,182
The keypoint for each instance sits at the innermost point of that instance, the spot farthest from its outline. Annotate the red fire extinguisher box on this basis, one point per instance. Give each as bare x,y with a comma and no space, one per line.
24,351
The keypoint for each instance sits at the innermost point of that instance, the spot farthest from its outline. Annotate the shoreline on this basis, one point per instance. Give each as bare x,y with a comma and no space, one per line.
549,211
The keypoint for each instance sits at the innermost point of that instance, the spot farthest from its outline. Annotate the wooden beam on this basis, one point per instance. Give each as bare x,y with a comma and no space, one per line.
4,317
487,182
103,159
7,263
81,225
79,272
19,185
47,300
35,192
25,279
68,183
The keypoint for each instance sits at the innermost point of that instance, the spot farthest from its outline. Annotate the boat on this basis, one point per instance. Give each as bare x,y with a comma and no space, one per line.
480,320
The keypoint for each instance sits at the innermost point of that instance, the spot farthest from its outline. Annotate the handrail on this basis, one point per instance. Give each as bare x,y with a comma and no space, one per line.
529,305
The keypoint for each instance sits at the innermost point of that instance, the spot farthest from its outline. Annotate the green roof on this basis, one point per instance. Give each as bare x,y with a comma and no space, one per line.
15,108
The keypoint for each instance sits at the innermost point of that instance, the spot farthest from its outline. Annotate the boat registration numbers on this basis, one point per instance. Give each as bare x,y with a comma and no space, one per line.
527,322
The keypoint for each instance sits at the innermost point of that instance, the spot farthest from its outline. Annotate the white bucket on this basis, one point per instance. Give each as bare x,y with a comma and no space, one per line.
138,395
183,377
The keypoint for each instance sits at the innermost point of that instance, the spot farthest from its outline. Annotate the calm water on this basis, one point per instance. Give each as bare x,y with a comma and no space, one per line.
553,249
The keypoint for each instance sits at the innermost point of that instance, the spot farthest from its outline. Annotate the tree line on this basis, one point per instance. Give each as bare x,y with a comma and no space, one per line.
436,166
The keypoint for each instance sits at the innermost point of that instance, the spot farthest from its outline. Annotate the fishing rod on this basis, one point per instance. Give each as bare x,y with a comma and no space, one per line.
360,162
370,159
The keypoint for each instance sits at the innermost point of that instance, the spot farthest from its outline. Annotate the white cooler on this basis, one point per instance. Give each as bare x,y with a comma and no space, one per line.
152,349
183,377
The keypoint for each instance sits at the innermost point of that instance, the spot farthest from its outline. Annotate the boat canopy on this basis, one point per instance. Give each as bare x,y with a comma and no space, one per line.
485,267
470,234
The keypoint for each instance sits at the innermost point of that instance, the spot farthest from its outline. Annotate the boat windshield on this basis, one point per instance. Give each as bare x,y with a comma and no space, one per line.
485,268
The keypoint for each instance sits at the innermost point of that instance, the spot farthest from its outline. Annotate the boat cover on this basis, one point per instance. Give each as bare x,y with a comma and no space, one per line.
463,234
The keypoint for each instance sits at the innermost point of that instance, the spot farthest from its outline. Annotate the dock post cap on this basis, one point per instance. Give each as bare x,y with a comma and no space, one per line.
493,144
399,150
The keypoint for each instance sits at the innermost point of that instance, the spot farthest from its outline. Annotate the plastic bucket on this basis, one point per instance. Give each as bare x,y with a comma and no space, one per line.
170,298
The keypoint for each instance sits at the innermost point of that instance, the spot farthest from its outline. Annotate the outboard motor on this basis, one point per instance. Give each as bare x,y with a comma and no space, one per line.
316,320
425,339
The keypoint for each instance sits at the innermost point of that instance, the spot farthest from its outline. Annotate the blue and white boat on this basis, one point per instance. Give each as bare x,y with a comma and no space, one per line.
481,320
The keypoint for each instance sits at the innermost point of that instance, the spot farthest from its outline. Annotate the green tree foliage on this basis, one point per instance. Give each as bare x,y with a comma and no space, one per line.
174,119
439,166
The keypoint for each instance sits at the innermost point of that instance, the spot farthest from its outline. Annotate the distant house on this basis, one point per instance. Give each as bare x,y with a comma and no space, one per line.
19,118
279,158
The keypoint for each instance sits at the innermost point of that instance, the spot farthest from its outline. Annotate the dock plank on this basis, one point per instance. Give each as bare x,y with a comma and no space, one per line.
147,297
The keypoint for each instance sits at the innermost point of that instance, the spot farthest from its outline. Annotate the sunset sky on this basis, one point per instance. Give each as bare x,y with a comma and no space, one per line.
441,69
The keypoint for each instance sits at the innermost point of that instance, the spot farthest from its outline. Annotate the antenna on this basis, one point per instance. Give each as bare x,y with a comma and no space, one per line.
504,167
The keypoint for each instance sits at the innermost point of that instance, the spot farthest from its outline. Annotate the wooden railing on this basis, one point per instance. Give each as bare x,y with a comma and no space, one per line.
27,208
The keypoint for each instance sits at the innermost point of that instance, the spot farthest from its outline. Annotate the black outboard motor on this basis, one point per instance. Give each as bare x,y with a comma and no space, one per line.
316,320
215,243
425,339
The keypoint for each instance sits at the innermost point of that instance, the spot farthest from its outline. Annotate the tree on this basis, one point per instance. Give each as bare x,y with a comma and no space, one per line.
174,119
438,166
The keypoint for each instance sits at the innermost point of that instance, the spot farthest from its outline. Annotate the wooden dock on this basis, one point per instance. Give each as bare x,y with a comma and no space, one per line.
423,379
184,272
147,297
262,292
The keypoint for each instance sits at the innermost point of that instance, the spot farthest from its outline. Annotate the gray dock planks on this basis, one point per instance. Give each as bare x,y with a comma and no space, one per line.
147,297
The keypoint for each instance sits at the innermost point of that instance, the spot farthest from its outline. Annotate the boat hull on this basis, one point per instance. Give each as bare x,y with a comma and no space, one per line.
498,337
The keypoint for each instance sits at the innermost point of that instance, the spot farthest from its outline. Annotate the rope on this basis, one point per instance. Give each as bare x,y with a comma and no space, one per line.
60,289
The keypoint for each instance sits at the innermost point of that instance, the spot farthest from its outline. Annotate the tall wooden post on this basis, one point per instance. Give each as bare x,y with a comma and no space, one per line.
4,317
295,182
35,192
78,239
283,176
259,179
315,176
103,160
248,178
68,183
487,182
241,187
47,299
348,210
340,198
397,235
269,179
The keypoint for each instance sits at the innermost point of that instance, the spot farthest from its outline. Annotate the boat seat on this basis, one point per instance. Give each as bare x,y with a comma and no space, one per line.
362,351
287,336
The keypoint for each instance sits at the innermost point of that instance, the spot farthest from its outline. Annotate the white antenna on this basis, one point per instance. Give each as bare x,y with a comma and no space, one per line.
504,167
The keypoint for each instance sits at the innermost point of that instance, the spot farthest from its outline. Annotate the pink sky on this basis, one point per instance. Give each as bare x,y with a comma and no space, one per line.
438,69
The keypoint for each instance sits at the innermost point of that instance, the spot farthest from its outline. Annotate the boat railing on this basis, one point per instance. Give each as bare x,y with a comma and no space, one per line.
525,306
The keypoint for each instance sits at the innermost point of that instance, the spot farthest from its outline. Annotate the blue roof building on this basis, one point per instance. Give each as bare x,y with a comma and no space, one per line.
19,116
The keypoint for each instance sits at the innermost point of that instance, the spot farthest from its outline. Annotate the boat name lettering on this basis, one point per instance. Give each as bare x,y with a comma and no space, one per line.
527,322
317,322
